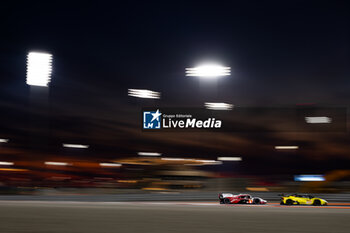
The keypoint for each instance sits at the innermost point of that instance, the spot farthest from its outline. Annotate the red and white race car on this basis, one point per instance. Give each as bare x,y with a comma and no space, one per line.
229,198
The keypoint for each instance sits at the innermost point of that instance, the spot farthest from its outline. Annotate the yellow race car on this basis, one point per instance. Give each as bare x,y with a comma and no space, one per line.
302,199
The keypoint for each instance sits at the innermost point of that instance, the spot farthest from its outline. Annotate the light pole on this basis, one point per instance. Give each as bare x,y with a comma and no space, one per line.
209,75
39,70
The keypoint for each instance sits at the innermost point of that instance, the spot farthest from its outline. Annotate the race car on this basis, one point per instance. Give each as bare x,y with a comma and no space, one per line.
229,198
302,199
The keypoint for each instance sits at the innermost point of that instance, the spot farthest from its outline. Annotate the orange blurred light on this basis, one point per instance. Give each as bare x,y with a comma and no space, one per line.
14,169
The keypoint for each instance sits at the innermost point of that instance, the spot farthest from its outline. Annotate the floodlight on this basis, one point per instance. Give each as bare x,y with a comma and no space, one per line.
142,93
208,71
218,106
39,68
318,120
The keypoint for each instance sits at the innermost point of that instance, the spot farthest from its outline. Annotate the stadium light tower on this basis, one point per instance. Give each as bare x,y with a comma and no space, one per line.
39,68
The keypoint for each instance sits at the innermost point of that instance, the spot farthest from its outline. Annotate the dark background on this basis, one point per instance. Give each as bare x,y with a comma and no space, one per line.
281,53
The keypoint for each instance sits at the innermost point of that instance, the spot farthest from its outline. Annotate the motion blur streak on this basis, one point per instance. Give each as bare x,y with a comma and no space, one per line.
309,178
141,93
39,68
218,106
176,159
286,147
149,154
57,163
146,101
76,146
94,217
230,158
13,169
110,165
318,120
208,71
6,163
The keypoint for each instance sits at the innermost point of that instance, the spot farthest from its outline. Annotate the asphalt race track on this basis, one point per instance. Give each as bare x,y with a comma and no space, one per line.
53,216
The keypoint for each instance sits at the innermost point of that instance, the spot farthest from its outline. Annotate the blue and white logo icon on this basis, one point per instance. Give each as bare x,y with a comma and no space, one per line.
151,120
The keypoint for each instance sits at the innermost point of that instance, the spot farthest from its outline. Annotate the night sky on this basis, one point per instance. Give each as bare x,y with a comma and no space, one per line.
282,53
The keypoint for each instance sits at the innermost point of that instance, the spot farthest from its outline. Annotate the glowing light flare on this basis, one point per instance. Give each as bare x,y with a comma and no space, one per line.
57,163
309,178
149,154
176,159
2,140
110,165
208,71
128,181
286,147
218,106
229,158
208,162
142,93
257,189
39,68
13,170
78,146
6,163
205,160
318,120
194,161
